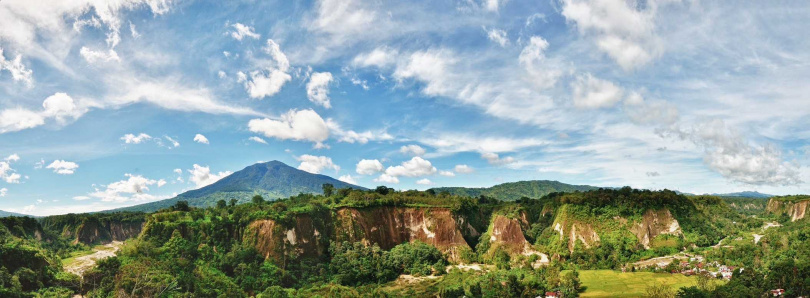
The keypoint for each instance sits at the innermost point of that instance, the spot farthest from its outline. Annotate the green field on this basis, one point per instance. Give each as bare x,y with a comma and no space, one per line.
609,283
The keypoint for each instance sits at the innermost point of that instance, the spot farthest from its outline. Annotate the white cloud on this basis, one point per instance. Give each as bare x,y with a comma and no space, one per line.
268,81
81,198
161,182
133,31
369,167
415,167
133,188
3,192
19,72
387,179
318,88
61,106
315,164
453,143
241,31
414,150
463,169
624,32
201,139
93,56
424,181
593,93
63,167
133,139
12,120
447,173
497,36
351,136
7,173
174,142
257,140
348,179
493,5
342,18
303,125
202,176
495,159
379,57
542,72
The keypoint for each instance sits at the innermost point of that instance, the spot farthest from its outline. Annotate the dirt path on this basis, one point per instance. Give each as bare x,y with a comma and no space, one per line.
84,263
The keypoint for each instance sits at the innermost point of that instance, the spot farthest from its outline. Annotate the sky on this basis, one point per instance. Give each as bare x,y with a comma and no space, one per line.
105,104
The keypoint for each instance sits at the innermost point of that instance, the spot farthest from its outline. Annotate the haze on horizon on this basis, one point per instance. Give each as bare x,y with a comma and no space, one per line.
105,105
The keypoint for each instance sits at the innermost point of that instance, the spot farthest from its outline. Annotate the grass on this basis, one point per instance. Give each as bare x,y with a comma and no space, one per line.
609,283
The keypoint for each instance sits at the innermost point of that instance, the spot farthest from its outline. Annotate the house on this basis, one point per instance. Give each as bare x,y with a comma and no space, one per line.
777,292
553,294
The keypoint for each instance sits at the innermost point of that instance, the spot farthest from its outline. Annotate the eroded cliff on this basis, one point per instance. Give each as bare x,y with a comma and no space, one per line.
796,209
654,223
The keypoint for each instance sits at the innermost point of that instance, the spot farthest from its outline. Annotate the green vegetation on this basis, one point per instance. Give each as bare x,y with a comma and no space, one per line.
334,245
516,190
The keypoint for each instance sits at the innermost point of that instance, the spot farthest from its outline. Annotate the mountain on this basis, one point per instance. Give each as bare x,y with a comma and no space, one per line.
515,190
6,214
744,194
272,180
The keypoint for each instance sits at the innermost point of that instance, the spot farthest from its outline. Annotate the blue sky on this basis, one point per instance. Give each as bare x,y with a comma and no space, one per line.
101,104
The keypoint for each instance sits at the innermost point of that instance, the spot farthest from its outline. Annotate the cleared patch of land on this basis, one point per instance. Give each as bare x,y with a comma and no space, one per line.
83,261
609,283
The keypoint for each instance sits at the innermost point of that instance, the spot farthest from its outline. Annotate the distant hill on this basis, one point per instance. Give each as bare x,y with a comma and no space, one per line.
744,194
272,180
6,214
515,190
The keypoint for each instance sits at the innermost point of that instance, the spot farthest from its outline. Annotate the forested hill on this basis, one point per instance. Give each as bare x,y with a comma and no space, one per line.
6,213
272,180
515,190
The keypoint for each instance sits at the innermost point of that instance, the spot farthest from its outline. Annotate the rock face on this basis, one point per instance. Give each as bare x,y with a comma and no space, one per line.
94,231
507,233
390,226
796,210
384,226
654,223
577,232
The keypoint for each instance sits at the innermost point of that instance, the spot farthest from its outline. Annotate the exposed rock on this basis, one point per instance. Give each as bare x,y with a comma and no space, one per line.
94,231
507,233
796,210
275,241
654,223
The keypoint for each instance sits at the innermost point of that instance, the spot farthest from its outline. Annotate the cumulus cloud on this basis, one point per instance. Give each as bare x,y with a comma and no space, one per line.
415,167
348,179
135,139
447,173
463,169
495,159
3,192
497,36
385,178
19,73
318,88
133,188
414,150
258,140
733,156
241,31
202,176
424,181
542,72
369,167
316,164
7,173
593,93
624,31
63,167
268,81
303,125
59,106
201,139
94,56
351,136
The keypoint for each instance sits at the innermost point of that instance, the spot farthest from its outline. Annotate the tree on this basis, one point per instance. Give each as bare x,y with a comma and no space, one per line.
222,204
181,206
257,199
659,290
569,284
233,202
328,189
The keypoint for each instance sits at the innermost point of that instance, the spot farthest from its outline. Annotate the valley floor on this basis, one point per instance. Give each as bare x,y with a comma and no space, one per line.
78,265
610,283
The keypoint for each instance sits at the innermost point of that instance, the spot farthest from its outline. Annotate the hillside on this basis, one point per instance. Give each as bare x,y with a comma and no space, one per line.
272,180
512,191
744,194
6,214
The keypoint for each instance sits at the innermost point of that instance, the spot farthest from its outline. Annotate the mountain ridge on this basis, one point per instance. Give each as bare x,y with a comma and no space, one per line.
272,180
512,191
